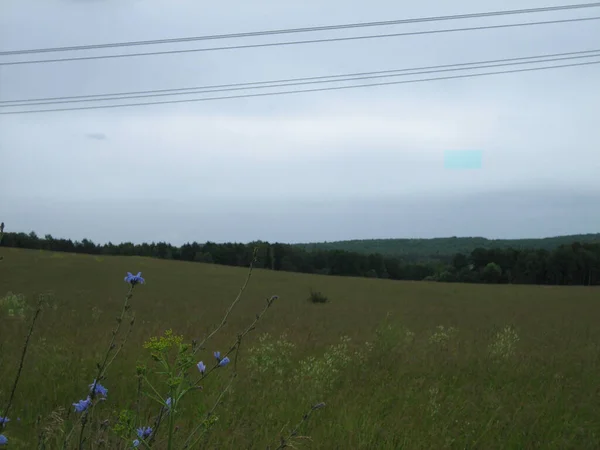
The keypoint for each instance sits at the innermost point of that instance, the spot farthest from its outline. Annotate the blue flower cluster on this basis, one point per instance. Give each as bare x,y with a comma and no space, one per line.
3,439
222,362
143,433
83,405
99,390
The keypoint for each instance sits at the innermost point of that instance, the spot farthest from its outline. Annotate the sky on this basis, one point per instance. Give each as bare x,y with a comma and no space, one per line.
321,166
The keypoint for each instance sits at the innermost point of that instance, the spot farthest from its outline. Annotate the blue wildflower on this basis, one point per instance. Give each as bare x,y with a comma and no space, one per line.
144,432
82,405
168,402
136,443
201,367
4,421
99,390
3,440
134,279
224,362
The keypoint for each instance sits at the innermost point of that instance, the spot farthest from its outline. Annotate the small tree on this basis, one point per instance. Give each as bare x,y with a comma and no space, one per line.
491,273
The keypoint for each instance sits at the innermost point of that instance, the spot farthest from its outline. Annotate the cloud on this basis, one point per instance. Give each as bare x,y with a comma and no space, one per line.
324,165
509,213
97,136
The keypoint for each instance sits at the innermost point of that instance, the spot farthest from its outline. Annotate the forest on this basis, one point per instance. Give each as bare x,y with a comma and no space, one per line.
419,249
573,263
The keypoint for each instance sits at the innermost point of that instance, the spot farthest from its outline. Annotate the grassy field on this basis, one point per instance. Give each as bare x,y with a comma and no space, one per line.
514,367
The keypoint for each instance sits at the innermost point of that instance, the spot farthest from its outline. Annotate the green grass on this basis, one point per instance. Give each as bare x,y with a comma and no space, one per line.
374,354
447,246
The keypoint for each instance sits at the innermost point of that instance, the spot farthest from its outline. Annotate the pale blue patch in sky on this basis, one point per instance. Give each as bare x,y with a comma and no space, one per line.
463,159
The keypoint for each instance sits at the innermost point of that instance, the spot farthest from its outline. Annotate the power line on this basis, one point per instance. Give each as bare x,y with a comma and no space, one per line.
311,41
304,30
5,103
264,94
306,80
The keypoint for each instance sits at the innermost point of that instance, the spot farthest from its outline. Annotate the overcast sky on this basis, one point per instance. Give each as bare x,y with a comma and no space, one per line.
346,164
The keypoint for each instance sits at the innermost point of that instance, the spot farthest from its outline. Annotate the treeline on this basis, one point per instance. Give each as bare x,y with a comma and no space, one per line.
573,264
419,249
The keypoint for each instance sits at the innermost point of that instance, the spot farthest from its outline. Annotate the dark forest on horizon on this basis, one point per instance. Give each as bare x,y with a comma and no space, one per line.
567,264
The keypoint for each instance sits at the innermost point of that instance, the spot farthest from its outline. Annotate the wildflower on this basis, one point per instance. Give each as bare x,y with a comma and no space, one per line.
99,389
201,367
3,440
134,279
136,443
168,402
4,421
144,432
224,362
82,405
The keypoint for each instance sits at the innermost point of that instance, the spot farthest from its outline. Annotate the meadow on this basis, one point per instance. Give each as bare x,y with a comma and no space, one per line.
398,365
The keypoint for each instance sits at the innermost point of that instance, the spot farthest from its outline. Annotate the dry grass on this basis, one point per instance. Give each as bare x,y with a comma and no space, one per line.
398,382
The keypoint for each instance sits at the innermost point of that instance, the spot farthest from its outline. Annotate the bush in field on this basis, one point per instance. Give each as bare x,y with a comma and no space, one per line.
317,297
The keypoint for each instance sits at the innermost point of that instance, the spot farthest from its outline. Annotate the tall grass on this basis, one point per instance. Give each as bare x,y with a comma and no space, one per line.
172,374
400,365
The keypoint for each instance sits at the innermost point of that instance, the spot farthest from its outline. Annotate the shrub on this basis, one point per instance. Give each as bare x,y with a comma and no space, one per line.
317,297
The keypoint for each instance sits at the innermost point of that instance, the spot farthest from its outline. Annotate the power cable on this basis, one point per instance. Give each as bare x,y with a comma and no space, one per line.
306,81
264,94
311,41
304,30
3,103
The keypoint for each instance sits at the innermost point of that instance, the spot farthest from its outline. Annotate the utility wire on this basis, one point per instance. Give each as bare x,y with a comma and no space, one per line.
308,80
311,41
5,103
264,94
303,30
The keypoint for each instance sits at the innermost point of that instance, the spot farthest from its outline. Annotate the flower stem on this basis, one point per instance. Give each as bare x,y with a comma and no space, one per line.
171,423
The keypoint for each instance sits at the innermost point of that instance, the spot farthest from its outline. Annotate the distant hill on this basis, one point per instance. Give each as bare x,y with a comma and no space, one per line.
426,248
